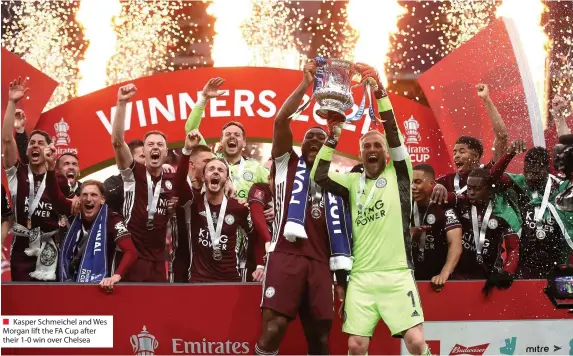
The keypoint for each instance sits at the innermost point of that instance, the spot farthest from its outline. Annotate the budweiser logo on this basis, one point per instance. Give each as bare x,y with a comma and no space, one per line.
472,350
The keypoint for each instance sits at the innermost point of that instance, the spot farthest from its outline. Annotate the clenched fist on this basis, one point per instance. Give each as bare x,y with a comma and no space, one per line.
558,105
50,156
308,71
126,92
483,91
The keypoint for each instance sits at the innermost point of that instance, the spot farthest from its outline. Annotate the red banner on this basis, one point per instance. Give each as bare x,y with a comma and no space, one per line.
164,101
225,319
450,87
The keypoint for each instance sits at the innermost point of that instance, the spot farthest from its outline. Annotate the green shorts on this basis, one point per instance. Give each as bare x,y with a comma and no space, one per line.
388,295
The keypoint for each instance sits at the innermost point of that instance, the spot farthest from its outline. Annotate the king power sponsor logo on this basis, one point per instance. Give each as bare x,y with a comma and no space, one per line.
470,350
413,140
145,343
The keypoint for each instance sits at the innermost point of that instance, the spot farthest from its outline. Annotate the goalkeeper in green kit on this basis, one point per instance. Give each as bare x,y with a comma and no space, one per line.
381,283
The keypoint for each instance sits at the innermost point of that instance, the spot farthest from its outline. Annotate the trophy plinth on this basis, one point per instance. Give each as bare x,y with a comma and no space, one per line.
335,97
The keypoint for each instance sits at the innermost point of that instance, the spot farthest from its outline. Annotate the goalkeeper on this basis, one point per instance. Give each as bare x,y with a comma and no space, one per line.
381,283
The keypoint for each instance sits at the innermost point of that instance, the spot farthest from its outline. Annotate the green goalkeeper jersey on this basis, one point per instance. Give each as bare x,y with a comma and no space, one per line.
380,207
243,174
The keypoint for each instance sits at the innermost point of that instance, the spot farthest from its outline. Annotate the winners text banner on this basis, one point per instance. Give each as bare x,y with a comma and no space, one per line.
253,97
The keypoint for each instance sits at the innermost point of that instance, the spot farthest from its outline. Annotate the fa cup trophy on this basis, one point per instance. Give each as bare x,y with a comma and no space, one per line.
335,95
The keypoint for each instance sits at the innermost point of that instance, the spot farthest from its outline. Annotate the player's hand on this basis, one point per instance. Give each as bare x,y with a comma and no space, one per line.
171,205
211,89
63,221
335,128
483,91
50,156
437,283
341,294
269,214
517,147
18,88
229,189
243,202
107,283
370,74
20,121
76,206
308,72
439,195
167,168
259,274
558,105
416,231
126,92
192,139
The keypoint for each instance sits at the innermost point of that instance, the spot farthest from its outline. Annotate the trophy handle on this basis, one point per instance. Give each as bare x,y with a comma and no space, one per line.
133,340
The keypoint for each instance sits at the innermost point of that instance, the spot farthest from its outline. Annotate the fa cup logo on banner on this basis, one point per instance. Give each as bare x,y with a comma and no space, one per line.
144,343
62,138
412,134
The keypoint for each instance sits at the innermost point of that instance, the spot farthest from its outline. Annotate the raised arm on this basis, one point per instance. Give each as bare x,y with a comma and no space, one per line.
182,189
335,183
558,108
123,157
210,91
501,136
18,89
61,204
282,134
21,136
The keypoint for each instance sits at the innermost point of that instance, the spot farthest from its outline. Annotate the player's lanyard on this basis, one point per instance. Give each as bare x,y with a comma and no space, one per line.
215,235
239,174
539,211
361,193
457,185
190,183
417,223
480,231
34,197
152,198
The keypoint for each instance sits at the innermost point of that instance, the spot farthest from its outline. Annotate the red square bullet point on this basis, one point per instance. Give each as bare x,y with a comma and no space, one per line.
6,322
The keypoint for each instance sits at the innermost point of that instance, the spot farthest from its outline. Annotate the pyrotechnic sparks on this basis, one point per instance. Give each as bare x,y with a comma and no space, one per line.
526,16
562,64
146,34
44,34
269,33
96,21
375,22
230,48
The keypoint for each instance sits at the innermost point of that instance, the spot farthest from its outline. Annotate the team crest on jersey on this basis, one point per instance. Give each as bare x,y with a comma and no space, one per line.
229,219
248,176
269,292
431,219
168,185
380,183
258,194
492,224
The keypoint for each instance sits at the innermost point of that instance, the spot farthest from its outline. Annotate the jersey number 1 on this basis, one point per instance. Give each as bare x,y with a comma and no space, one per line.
411,295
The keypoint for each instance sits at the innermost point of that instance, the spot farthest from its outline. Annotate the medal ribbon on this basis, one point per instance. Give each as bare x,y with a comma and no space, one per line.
422,244
215,235
33,197
361,192
479,231
152,195
540,211
457,185
316,194
239,174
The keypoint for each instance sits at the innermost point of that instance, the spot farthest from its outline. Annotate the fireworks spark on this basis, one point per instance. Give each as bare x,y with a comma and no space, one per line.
375,23
96,21
45,35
